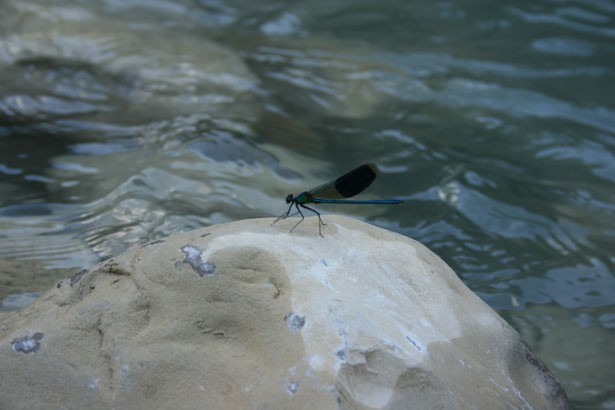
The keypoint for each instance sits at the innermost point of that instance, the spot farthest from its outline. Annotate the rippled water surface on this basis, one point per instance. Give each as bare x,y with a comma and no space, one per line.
126,121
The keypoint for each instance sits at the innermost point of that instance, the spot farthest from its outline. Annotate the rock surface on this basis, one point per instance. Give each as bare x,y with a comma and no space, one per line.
247,316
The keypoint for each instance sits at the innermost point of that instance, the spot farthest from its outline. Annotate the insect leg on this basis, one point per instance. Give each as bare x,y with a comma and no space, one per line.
320,222
300,213
284,215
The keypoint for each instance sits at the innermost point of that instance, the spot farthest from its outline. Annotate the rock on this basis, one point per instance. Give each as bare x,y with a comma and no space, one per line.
246,315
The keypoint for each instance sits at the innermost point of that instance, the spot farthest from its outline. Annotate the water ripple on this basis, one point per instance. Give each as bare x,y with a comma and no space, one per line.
126,121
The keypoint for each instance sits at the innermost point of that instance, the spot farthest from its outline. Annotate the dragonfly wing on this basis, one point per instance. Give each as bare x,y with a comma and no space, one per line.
325,191
356,181
348,185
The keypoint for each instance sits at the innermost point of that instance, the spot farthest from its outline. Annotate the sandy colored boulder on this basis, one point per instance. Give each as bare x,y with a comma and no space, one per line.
247,316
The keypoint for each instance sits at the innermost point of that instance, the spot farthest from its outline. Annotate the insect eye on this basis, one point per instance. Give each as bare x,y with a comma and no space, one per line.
289,198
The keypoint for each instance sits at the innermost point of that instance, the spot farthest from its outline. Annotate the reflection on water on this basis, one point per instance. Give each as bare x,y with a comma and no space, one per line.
122,122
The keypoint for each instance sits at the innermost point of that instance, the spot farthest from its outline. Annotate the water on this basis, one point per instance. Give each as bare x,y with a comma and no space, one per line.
125,121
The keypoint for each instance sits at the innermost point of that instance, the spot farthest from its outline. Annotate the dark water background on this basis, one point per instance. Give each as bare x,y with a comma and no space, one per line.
122,121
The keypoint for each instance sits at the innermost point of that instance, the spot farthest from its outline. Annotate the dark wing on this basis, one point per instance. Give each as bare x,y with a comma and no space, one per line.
347,185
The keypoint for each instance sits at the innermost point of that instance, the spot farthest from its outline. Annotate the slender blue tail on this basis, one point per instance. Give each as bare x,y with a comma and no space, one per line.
360,202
